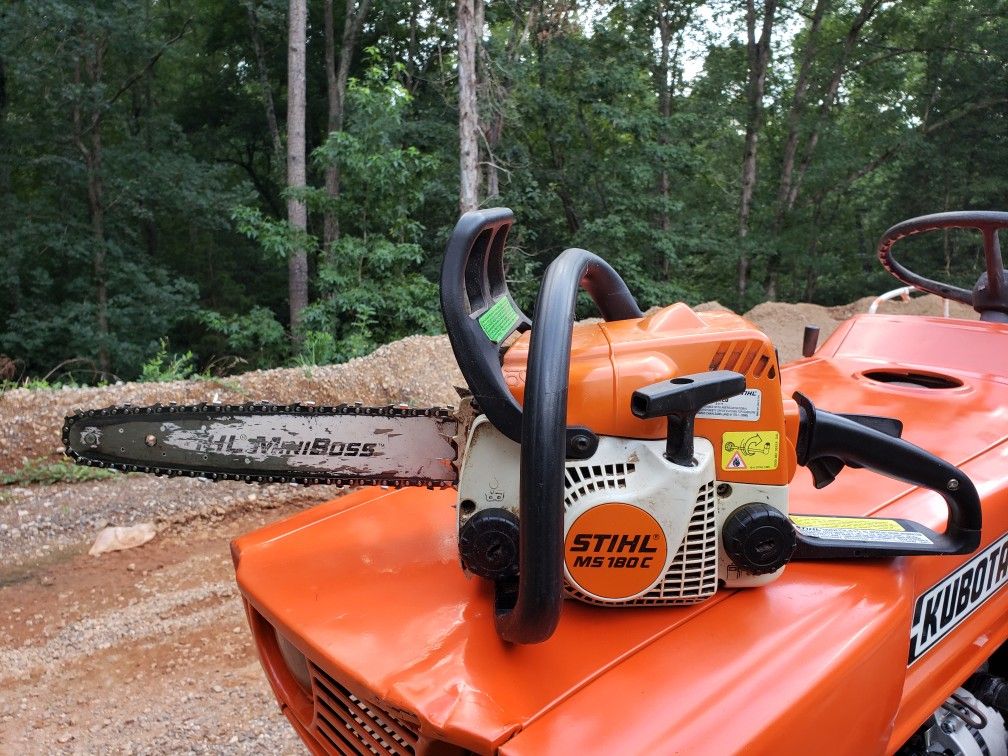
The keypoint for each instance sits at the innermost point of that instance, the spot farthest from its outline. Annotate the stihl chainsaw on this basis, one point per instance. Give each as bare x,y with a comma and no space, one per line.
635,461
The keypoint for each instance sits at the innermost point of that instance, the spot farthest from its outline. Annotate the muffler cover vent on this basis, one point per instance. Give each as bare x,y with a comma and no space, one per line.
585,479
692,575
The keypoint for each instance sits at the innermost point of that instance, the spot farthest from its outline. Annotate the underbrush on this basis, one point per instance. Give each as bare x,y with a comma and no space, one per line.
45,472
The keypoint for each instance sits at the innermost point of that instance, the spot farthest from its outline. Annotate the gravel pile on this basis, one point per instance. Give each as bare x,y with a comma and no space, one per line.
419,370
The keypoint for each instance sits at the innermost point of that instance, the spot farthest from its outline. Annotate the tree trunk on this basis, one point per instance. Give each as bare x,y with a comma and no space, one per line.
759,58
495,82
664,110
795,113
87,136
337,75
4,164
670,25
785,199
267,92
468,110
91,151
297,212
411,48
868,7
96,206
145,101
330,223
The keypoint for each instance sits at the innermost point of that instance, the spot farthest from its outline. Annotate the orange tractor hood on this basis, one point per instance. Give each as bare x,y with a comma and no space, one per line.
369,588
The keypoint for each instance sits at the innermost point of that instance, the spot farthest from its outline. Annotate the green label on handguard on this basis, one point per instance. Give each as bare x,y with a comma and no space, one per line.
499,320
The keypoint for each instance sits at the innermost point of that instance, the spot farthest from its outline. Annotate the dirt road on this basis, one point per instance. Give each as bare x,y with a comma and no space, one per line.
138,651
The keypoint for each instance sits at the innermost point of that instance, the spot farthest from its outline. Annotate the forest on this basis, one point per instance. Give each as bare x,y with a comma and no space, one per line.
208,186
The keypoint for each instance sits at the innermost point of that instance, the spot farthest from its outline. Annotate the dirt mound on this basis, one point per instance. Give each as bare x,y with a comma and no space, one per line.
712,306
927,304
419,370
785,324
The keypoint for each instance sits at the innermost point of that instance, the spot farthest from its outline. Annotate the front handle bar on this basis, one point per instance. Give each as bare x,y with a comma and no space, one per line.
530,614
480,314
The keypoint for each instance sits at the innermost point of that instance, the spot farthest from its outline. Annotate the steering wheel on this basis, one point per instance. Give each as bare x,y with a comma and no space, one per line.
989,296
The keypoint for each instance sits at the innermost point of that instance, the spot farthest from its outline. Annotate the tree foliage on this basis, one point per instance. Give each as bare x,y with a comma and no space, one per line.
142,188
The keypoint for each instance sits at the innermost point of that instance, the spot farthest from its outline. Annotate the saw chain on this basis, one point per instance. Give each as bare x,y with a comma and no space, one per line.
256,442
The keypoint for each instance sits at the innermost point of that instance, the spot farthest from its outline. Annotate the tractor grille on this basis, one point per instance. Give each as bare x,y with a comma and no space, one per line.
692,575
348,725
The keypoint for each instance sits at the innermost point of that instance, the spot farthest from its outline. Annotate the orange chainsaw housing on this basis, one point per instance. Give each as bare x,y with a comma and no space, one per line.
402,648
611,360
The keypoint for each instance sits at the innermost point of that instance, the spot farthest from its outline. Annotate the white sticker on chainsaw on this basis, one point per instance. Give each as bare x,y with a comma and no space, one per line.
942,607
874,529
875,536
745,406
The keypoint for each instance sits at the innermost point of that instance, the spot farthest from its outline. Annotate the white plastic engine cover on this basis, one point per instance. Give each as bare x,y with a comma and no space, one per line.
731,497
624,505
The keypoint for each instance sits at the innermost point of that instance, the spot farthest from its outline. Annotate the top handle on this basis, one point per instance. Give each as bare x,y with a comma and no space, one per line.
480,314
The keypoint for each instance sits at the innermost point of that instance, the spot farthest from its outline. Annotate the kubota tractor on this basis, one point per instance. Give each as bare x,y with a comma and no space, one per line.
649,537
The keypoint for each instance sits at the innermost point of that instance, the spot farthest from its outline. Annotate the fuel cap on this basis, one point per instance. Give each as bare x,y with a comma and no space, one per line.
488,544
758,538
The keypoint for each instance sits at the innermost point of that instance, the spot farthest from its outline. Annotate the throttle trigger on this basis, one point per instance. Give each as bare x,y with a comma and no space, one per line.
824,470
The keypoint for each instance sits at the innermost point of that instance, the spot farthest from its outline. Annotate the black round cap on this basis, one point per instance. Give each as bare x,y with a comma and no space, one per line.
488,544
758,538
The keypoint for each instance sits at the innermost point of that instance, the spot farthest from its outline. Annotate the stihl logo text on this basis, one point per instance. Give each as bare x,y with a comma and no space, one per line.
612,543
941,608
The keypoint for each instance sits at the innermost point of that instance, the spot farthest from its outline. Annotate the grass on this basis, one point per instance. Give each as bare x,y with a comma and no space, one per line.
41,471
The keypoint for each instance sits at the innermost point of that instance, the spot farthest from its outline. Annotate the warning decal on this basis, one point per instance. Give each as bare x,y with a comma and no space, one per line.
745,406
859,529
750,450
850,523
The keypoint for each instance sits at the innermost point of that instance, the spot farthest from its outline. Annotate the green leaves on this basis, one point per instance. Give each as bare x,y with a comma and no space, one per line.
586,151
163,367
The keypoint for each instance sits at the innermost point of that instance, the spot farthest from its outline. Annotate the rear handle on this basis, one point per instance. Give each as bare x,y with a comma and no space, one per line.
824,437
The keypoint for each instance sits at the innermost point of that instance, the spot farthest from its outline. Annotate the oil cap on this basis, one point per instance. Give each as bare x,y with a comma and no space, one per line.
758,538
488,544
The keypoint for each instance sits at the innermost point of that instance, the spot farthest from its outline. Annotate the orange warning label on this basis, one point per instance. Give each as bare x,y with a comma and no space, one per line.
615,551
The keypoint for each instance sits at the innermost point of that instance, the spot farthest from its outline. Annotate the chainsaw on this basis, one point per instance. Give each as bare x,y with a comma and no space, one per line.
643,460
